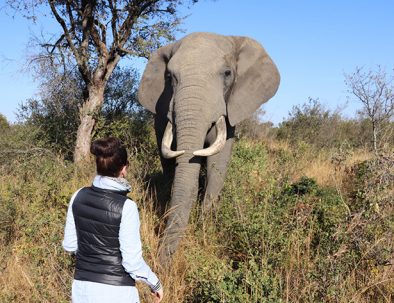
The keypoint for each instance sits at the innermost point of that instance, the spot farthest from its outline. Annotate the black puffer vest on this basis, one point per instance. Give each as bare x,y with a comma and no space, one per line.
97,215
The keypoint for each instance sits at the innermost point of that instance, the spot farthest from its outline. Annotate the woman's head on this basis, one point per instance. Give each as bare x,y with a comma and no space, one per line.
111,156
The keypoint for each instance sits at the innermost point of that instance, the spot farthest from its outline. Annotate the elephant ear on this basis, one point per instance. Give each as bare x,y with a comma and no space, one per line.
155,90
257,80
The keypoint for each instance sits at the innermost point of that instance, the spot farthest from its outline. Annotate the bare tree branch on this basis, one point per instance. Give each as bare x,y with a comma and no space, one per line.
376,93
61,21
96,34
114,19
71,18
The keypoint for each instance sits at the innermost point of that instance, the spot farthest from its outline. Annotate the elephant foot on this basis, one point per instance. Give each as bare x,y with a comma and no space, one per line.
165,259
167,247
209,202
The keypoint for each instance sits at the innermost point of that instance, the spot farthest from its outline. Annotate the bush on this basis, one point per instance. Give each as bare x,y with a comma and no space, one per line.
55,114
4,125
317,126
272,238
278,241
34,195
253,128
371,201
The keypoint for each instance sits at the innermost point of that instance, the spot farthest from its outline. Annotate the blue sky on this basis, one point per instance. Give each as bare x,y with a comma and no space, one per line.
312,42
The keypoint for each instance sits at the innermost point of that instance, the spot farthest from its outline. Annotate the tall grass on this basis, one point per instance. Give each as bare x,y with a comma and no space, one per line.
292,225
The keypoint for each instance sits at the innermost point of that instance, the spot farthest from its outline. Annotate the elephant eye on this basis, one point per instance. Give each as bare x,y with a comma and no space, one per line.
227,73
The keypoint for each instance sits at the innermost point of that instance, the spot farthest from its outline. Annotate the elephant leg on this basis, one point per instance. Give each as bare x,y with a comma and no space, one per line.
216,172
162,182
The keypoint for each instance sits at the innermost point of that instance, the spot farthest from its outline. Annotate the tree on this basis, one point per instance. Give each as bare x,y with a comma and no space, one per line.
312,123
254,128
95,35
375,91
55,112
4,125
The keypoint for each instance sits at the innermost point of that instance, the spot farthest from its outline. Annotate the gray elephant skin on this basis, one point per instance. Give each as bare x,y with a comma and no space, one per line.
199,89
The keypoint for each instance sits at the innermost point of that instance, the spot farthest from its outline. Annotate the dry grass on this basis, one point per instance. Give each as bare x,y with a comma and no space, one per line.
328,172
22,281
173,281
15,280
327,167
35,269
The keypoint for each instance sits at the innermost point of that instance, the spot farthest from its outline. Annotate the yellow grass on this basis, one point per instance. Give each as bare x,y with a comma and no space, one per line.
20,276
329,173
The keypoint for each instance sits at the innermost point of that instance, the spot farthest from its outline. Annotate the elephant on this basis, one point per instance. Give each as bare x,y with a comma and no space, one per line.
199,88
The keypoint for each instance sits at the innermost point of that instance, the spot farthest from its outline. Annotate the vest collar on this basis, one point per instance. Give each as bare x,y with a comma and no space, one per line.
110,191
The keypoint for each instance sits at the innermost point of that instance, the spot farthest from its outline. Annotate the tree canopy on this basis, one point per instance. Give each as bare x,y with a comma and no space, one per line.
94,35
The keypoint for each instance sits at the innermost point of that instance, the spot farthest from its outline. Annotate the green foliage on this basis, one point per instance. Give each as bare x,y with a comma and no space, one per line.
56,114
34,196
304,186
372,183
306,123
283,241
371,201
4,125
254,128
218,280
315,125
19,142
271,238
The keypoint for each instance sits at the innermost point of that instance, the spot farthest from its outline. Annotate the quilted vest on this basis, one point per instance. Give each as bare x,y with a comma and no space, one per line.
97,215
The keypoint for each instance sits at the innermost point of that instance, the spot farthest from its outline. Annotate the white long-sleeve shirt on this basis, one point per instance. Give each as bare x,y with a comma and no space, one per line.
130,247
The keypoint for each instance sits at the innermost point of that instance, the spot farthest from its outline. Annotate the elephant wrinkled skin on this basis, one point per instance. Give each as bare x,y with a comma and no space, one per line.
200,88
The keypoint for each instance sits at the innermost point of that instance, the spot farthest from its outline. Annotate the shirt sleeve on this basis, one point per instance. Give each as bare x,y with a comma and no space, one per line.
70,241
131,248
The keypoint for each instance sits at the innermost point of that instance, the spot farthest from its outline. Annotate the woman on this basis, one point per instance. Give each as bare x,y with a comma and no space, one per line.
102,229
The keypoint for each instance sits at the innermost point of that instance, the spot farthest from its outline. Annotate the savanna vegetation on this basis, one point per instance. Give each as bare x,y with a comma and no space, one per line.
306,214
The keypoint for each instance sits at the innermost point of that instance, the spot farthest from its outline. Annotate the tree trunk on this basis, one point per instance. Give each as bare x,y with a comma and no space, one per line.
375,136
86,114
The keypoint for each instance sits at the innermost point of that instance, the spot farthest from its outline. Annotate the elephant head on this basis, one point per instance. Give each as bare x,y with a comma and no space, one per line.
200,88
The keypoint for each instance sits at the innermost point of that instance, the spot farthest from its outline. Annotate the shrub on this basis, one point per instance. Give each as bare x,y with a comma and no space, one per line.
370,232
278,241
55,114
317,126
35,194
273,237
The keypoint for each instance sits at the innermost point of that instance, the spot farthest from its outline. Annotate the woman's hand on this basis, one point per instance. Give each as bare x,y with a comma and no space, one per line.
158,295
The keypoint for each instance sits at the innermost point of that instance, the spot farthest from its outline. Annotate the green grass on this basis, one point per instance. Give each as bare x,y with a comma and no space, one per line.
276,235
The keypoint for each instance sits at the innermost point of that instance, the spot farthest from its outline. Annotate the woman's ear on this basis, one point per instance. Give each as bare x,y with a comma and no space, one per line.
123,172
155,90
257,80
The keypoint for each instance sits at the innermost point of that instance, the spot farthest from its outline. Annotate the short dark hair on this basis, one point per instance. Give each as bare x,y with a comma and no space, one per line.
111,156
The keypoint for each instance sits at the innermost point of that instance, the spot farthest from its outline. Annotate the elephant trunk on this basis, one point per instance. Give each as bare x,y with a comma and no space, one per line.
184,193
220,141
191,130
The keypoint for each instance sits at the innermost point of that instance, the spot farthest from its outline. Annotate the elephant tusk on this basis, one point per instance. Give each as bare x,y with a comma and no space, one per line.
218,145
166,144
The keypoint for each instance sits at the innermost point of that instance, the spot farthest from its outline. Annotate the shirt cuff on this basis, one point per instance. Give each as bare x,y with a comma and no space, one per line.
156,287
153,281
